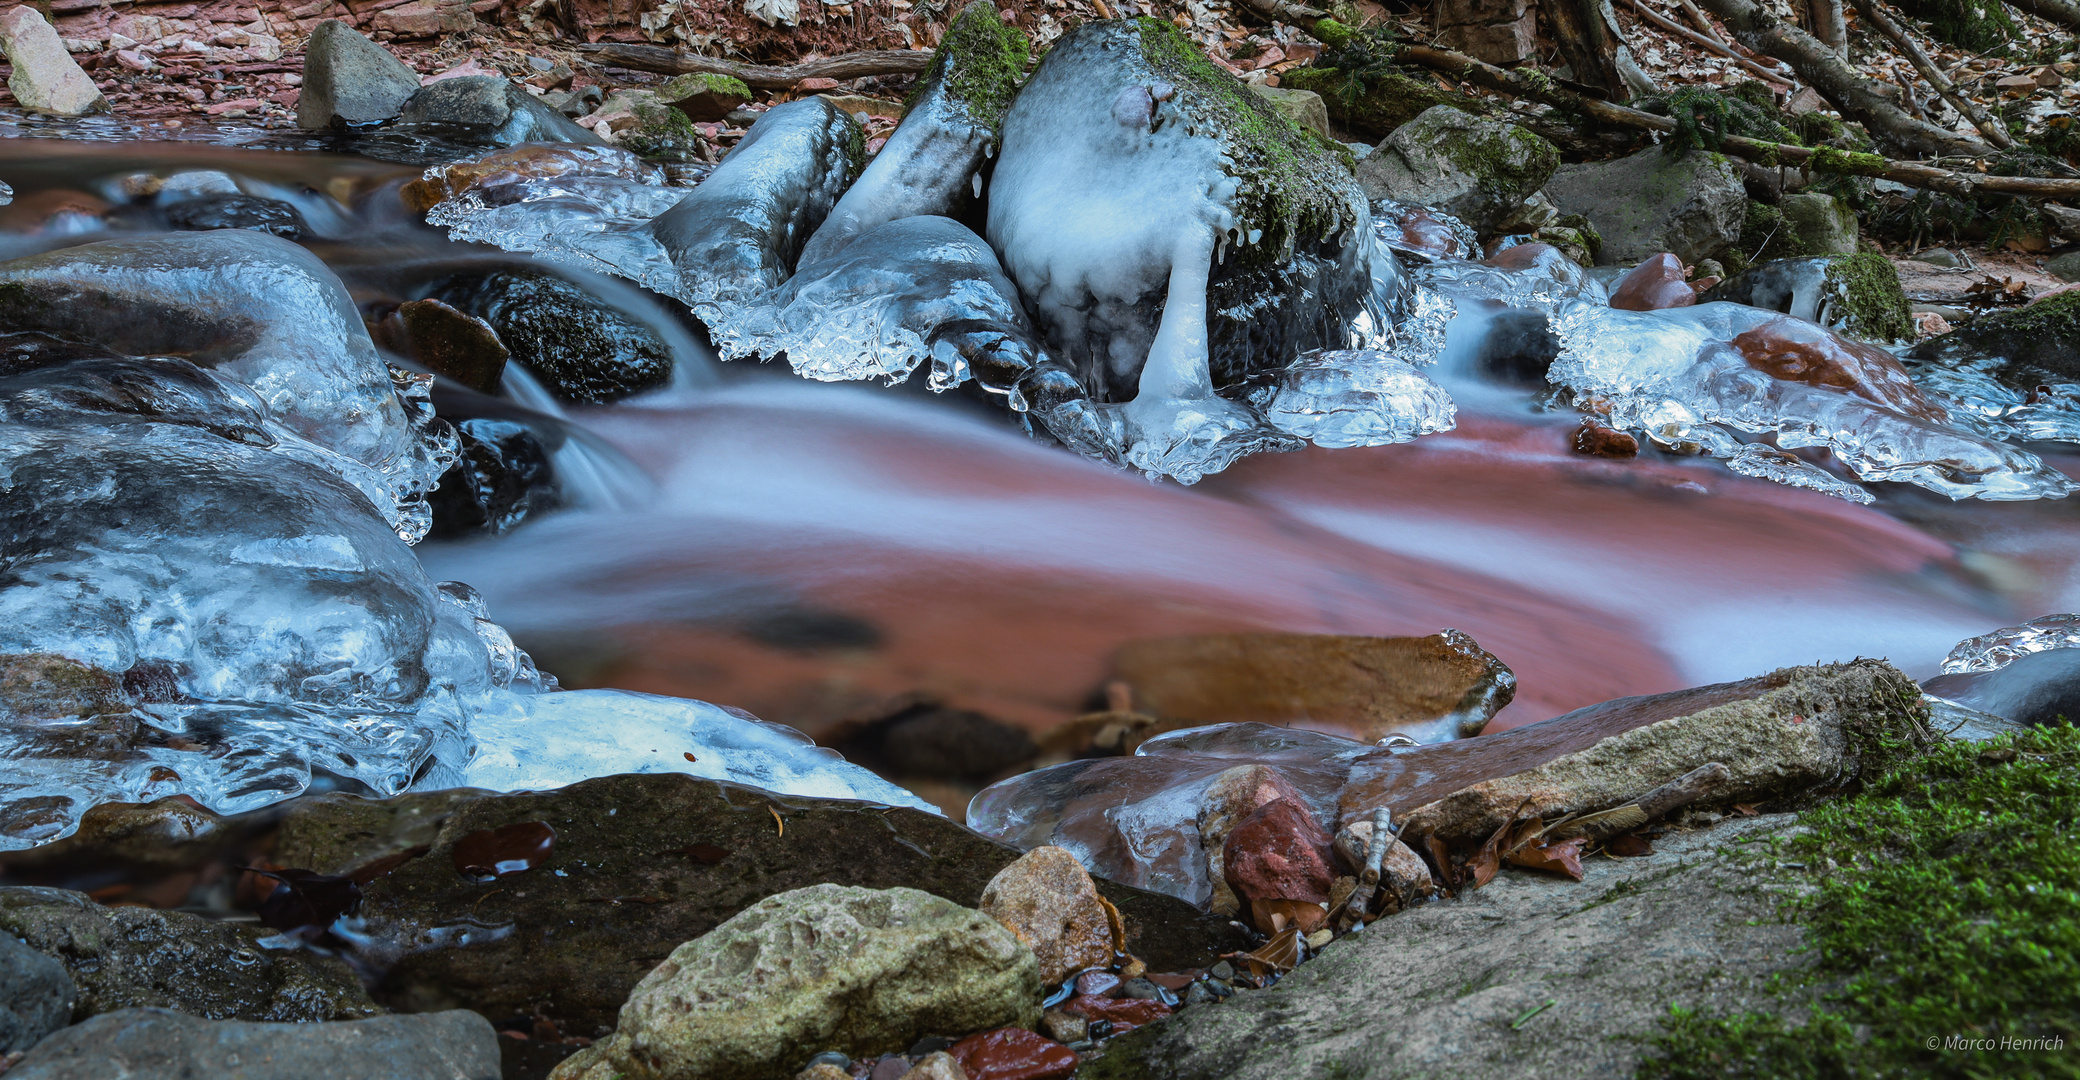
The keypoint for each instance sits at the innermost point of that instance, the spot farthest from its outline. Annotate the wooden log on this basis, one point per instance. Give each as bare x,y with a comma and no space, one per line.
854,65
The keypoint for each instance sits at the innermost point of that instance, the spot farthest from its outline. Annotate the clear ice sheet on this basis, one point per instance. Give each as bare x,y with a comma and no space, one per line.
1676,375
1997,649
1135,819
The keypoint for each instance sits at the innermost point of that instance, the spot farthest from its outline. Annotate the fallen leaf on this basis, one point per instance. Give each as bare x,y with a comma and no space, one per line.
1745,809
1280,954
1276,915
1561,857
1486,862
1441,862
1628,846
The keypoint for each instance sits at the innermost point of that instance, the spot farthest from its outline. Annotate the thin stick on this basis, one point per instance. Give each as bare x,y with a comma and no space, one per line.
1994,132
1701,21
1673,27
857,65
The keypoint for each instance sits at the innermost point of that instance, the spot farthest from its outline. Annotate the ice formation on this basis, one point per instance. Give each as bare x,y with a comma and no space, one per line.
258,310
2017,675
1999,648
1690,377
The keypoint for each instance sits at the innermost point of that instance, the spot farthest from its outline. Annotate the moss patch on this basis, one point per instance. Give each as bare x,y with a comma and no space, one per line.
1374,103
1974,25
1944,905
1827,159
1866,288
981,60
1294,183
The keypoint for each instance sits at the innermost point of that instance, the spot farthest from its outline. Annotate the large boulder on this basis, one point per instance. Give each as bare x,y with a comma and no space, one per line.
349,80
1654,201
2021,348
152,1043
1480,171
487,110
46,78
1823,224
862,971
1380,101
132,957
1456,988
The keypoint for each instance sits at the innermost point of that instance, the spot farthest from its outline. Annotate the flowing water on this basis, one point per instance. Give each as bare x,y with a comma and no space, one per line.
826,554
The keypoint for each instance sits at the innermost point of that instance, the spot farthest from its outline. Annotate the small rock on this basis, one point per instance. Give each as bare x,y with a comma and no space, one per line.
46,78
1124,1014
1234,796
1930,324
1096,984
824,1070
866,970
2016,84
453,343
36,996
1279,852
238,211
1303,107
348,79
937,1065
1653,201
704,98
1939,257
1478,170
2064,267
1653,285
890,1067
488,110
1013,1054
1065,1027
1601,440
1823,224
583,349
1047,900
142,1043
1143,990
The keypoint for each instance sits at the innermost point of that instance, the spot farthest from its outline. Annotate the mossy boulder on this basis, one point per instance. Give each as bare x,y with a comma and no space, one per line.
980,62
1859,295
703,97
1478,170
1823,224
2033,345
1303,107
1378,102
1689,205
863,971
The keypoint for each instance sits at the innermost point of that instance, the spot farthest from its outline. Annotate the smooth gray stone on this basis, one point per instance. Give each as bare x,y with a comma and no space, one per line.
36,995
348,79
161,1044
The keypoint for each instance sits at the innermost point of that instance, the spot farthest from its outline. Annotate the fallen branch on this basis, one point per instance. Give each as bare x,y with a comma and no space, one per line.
2066,13
1876,16
1673,27
1854,96
1699,783
1536,85
856,65
1698,19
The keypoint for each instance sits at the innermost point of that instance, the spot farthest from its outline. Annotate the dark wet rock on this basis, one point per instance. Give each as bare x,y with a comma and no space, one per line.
867,971
1859,295
350,80
1477,170
36,996
44,686
501,477
448,342
932,740
1518,348
1599,440
1444,686
642,864
1654,201
2036,344
486,110
122,958
155,1043
238,211
345,834
581,348
2037,688
1439,989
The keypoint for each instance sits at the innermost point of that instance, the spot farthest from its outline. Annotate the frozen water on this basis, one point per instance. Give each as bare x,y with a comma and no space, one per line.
1681,373
1355,397
596,221
1999,648
547,741
256,309
1977,397
1536,277
1135,819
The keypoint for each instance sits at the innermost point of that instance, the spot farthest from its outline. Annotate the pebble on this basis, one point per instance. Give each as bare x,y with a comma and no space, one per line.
1014,1054
938,1065
1144,990
1124,1014
824,1070
890,1067
1065,1027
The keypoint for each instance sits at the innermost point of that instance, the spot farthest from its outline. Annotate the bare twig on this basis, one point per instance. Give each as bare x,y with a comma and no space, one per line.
1965,107
856,65
1536,85
1700,20
1673,27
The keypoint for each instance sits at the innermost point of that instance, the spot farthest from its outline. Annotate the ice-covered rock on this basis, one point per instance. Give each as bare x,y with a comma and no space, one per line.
2017,372
1175,235
258,310
1858,295
1689,377
2035,688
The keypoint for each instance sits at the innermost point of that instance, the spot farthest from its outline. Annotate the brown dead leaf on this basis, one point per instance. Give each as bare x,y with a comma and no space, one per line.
1745,809
1482,867
1628,846
1119,928
1615,819
1273,916
1280,954
1560,857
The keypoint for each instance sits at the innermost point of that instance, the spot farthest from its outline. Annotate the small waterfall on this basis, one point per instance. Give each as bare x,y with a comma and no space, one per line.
591,474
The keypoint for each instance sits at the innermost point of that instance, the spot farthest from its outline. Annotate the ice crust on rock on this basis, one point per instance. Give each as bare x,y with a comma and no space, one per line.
533,742
1682,376
1998,648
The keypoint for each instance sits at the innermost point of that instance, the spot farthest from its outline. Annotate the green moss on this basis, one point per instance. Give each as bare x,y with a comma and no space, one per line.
1704,118
2056,318
685,86
1333,34
1982,26
1827,159
1293,181
1942,902
662,133
1865,286
981,60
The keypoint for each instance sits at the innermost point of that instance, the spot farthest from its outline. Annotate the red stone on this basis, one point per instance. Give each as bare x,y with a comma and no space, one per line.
817,84
1279,853
1126,1014
1653,285
1598,440
1798,351
1013,1054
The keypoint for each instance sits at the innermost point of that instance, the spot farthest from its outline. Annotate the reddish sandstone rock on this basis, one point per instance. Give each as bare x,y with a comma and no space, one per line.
1126,1014
1598,440
1798,351
1234,796
1048,901
1279,853
1013,1054
1653,285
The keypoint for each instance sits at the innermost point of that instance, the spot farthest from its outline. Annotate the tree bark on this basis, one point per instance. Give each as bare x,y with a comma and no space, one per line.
1538,86
1965,107
849,66
1855,97
1586,44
